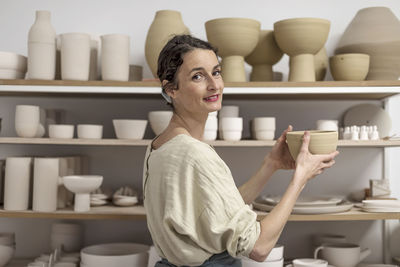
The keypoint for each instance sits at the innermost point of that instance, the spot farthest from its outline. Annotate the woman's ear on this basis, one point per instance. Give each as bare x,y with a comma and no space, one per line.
169,89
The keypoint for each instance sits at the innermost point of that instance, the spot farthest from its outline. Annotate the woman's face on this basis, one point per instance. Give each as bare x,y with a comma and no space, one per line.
200,84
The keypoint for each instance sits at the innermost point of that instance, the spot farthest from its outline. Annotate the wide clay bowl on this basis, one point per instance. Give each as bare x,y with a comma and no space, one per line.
233,36
349,67
301,35
321,142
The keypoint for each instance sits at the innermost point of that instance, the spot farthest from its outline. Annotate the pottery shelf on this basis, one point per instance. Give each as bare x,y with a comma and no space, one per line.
217,143
138,213
328,90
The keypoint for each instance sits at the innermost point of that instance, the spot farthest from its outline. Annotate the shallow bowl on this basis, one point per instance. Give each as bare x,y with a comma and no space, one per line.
82,183
130,129
159,120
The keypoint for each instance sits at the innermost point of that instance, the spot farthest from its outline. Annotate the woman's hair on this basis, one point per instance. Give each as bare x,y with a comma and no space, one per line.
171,58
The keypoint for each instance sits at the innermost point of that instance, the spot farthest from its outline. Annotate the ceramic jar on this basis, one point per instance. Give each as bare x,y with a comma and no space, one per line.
115,57
17,183
42,48
75,56
27,120
165,25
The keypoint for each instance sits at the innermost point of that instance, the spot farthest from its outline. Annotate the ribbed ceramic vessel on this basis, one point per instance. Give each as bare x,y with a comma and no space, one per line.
166,24
349,67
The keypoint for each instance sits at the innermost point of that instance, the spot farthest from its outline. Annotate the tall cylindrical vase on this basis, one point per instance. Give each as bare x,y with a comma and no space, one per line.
75,56
42,48
16,184
45,184
165,25
115,57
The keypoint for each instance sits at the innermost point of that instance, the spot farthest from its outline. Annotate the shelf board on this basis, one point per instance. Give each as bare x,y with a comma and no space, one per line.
274,90
217,143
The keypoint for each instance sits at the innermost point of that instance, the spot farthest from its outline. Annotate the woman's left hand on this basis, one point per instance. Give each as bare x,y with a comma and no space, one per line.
280,156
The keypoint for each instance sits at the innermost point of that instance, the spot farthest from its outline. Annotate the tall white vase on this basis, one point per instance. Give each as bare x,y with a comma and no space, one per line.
45,184
75,56
42,48
115,57
16,184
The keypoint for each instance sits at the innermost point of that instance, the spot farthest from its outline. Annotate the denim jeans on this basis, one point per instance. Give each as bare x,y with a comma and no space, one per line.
218,260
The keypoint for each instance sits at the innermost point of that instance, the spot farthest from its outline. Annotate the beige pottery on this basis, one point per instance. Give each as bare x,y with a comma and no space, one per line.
301,39
349,67
321,63
266,54
235,38
321,142
374,31
166,24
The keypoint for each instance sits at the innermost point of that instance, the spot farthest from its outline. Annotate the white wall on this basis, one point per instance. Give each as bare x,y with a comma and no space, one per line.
354,166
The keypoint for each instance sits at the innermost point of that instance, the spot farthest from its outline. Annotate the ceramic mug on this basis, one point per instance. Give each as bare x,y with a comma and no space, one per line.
342,254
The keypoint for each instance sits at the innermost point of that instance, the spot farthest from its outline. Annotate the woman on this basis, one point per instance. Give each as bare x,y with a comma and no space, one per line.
195,213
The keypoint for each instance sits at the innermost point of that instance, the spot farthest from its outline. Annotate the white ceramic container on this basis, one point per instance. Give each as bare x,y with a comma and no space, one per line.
11,74
309,263
327,125
130,129
13,61
264,135
90,131
75,56
211,127
342,254
61,131
115,57
263,123
276,253
159,120
27,118
232,124
42,48
17,183
115,254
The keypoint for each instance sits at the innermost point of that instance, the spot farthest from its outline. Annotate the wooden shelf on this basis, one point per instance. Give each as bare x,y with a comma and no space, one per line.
274,90
217,143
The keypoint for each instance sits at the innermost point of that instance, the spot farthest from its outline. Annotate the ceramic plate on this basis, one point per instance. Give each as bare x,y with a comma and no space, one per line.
369,114
125,201
97,202
342,207
381,203
291,265
388,209
305,201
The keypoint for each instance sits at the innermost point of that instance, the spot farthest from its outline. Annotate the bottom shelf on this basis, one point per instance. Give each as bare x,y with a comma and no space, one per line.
138,213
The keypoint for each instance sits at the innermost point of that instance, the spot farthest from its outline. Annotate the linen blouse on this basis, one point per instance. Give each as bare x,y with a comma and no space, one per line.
194,209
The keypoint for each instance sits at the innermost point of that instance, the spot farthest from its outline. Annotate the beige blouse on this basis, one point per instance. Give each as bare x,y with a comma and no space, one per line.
193,207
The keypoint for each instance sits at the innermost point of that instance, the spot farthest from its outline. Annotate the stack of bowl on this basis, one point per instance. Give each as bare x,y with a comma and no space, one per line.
274,259
12,66
230,124
66,236
7,247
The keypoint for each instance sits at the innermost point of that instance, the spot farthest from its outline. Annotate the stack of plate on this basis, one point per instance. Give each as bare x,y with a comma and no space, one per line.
381,205
306,204
125,196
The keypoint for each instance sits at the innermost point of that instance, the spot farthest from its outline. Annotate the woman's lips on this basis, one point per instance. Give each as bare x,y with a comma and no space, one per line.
212,98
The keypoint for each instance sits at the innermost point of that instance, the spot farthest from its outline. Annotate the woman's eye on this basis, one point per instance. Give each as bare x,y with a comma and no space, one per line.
217,73
197,77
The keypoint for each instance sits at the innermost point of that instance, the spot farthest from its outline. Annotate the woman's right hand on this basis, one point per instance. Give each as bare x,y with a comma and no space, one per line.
309,165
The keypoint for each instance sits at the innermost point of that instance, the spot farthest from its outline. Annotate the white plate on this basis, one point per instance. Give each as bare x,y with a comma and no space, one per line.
343,207
305,201
367,209
98,202
383,203
125,201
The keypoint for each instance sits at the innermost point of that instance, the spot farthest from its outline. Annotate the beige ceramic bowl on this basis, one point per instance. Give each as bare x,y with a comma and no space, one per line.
349,67
321,142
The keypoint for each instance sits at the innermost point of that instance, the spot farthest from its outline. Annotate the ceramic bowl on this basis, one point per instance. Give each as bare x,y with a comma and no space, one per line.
11,74
130,129
159,120
349,67
115,254
6,253
321,142
13,61
61,131
82,183
90,131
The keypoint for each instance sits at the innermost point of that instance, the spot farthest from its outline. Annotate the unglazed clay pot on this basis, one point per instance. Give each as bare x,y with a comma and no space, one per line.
115,57
166,24
321,142
374,31
321,63
301,39
235,38
266,54
75,56
349,67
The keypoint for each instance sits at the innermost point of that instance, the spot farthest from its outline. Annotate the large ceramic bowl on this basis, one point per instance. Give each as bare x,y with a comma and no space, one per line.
82,183
349,67
321,142
130,129
159,120
115,254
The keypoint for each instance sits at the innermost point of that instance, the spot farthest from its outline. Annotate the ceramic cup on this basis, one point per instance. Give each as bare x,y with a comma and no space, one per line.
327,125
61,131
90,131
75,56
115,57
210,129
309,263
263,128
232,128
342,254
27,118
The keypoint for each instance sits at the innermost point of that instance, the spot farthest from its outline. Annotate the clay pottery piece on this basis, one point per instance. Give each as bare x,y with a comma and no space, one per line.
135,73
13,61
264,55
42,48
349,67
301,39
165,25
235,38
321,142
27,120
374,31
115,57
321,63
75,56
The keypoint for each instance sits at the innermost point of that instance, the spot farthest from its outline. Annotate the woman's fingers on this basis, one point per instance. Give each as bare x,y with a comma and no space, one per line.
306,141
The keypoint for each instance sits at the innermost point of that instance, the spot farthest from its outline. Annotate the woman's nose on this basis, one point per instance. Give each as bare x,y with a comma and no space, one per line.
212,84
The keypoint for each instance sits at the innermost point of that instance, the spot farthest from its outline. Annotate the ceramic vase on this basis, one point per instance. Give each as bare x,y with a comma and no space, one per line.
115,57
165,25
266,54
42,48
45,184
374,31
17,183
75,56
235,38
301,39
27,120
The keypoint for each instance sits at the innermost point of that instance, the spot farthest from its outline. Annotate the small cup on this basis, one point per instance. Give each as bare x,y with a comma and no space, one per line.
327,125
263,123
90,131
27,119
61,131
309,263
232,124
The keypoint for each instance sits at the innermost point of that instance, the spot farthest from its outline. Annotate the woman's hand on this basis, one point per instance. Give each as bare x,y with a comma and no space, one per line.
309,165
280,157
